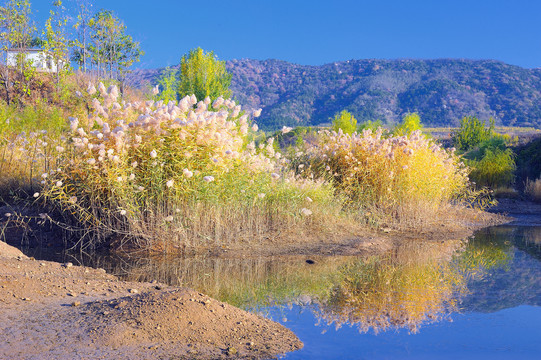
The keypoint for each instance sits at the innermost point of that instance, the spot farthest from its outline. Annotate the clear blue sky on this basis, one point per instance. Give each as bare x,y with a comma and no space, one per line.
317,32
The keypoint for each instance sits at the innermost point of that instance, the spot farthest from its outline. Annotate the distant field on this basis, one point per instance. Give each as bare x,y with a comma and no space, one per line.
521,132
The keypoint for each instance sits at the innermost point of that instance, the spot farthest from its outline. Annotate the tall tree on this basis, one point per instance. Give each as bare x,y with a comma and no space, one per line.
168,85
204,75
17,30
344,121
112,50
56,40
82,27
127,52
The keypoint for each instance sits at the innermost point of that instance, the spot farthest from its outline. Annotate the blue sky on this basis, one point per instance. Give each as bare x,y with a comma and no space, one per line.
317,32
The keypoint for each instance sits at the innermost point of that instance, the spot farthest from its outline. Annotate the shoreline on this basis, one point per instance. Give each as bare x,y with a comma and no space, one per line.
50,306
61,311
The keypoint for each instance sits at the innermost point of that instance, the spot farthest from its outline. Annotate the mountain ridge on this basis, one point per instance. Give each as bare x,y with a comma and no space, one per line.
442,91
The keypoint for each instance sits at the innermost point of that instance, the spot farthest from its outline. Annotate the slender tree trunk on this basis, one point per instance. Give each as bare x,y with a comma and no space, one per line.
6,85
6,81
84,48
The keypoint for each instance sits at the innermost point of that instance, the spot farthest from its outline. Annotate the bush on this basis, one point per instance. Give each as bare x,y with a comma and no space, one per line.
495,169
370,125
472,132
410,123
528,161
495,143
167,85
533,189
42,116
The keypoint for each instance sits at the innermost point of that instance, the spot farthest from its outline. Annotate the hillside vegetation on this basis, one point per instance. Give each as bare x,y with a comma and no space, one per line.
441,91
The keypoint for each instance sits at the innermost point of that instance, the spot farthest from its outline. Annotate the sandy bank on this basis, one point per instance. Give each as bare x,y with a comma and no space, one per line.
59,311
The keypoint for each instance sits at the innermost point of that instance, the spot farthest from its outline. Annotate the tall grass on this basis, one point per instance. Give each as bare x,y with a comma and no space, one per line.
168,177
189,175
14,120
533,189
405,178
495,169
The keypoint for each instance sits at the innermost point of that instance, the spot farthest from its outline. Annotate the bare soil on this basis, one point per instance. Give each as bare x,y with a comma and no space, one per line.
58,311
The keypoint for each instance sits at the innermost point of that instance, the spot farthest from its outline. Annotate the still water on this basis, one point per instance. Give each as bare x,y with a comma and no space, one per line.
477,299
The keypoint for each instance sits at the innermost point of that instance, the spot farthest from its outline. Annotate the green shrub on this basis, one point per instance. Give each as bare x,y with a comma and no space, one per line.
168,85
472,132
495,143
410,123
42,116
370,125
344,121
495,169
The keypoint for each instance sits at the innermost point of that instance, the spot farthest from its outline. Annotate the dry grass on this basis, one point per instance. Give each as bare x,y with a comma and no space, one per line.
402,180
533,189
167,177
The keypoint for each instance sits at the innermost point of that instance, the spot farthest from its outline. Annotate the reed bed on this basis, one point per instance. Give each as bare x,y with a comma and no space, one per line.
178,176
166,177
404,180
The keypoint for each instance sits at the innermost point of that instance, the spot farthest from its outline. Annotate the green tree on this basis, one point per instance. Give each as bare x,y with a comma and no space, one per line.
472,132
80,51
168,85
112,50
411,122
17,30
370,125
345,121
202,74
56,40
127,53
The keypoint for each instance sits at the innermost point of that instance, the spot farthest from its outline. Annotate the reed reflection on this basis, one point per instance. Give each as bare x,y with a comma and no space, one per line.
417,283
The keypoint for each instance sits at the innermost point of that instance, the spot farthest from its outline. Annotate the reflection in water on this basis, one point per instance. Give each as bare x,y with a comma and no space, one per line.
489,249
380,294
246,283
513,282
415,284
532,235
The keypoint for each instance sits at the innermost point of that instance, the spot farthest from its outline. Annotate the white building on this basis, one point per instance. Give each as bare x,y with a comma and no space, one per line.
37,57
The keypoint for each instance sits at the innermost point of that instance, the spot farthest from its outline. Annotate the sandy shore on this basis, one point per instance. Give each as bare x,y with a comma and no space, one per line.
58,311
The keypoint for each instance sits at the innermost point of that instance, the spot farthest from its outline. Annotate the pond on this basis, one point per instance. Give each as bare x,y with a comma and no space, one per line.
471,299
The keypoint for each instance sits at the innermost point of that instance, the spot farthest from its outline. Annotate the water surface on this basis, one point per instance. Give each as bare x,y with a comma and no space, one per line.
478,299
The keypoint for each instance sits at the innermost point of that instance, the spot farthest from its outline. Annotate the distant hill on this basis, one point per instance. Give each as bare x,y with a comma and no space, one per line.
442,91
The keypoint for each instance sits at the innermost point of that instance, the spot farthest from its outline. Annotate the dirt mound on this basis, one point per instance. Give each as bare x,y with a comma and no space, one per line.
203,326
61,311
10,252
